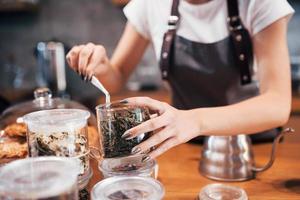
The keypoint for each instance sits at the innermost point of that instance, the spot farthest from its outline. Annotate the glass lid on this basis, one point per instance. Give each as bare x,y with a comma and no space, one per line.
129,165
56,119
42,101
40,177
217,191
131,188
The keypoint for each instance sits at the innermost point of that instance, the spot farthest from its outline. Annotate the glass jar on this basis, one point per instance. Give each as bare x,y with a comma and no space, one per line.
39,178
128,166
217,191
13,130
59,132
131,188
113,120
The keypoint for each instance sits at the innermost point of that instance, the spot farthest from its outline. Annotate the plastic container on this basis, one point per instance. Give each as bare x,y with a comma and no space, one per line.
60,132
219,191
113,120
39,178
128,166
130,188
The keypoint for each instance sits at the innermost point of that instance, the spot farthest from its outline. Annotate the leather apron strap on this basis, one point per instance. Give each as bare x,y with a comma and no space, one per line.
239,35
242,42
168,41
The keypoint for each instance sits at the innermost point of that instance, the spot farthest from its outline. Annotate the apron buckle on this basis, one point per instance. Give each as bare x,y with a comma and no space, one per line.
172,22
234,23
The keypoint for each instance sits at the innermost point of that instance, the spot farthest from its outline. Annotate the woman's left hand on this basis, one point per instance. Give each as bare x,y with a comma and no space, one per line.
171,127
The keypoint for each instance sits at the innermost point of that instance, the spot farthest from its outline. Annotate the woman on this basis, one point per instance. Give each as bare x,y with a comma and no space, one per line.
205,58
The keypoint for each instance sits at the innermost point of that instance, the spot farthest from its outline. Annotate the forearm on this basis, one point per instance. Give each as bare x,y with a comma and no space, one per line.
272,107
254,115
125,58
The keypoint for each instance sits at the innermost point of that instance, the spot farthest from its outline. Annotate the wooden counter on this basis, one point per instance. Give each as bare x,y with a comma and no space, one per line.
178,168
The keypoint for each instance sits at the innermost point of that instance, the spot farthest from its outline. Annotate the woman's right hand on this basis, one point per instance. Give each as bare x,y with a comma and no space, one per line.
88,60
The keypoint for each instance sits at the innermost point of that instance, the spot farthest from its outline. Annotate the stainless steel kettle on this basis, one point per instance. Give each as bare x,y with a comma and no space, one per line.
230,158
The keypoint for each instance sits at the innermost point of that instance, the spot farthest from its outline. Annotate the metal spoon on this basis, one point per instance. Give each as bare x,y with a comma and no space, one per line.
99,85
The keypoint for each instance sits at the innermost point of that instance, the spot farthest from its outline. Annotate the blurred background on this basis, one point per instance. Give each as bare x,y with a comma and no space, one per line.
30,29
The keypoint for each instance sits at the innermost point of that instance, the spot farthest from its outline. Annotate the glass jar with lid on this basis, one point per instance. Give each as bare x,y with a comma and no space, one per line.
13,138
60,132
13,130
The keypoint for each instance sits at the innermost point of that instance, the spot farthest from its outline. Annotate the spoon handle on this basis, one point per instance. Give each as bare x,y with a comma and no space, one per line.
99,85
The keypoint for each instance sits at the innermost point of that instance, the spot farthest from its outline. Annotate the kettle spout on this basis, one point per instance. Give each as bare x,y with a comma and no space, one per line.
274,147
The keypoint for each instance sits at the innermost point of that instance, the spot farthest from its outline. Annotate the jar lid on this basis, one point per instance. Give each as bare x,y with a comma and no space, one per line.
130,187
43,101
39,177
59,120
129,165
219,191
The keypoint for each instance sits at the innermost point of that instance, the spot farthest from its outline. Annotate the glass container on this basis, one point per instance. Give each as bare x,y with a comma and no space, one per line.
60,132
219,191
130,188
39,178
13,130
128,166
113,120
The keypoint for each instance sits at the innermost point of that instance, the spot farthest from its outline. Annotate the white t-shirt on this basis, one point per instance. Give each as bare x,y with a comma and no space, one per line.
205,23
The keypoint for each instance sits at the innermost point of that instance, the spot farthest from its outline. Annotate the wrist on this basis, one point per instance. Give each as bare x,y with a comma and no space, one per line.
199,118
195,122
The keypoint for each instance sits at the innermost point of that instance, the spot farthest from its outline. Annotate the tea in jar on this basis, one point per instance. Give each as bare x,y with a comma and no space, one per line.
59,132
113,120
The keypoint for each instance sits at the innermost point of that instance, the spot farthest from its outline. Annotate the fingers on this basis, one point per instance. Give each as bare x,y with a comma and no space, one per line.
152,104
153,141
165,146
98,56
84,57
73,55
153,116
147,126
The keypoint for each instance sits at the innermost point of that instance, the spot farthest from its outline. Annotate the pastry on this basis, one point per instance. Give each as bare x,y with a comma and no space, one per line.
13,149
16,130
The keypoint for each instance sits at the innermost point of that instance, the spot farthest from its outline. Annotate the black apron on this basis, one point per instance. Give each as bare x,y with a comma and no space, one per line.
210,75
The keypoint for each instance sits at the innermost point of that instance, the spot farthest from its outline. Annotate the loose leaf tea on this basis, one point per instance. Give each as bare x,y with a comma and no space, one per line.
127,167
66,144
115,123
128,194
84,194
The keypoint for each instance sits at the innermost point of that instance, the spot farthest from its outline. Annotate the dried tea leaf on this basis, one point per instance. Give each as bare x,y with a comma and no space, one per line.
114,126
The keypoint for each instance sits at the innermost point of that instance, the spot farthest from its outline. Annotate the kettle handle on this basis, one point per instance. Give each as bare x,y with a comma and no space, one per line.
274,147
